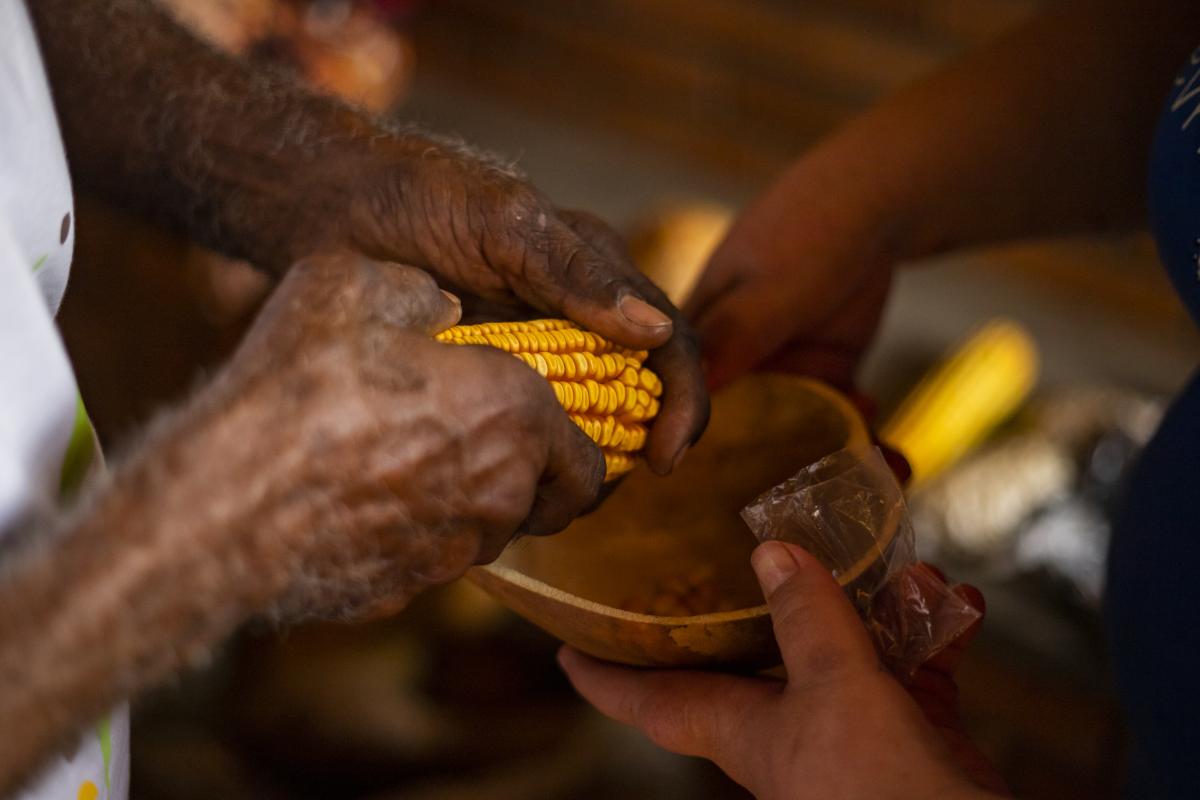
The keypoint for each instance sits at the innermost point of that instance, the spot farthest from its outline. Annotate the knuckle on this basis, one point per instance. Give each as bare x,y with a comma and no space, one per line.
413,280
506,512
587,472
526,382
657,719
593,468
477,371
823,653
789,607
676,725
594,474
318,261
520,206
580,271
510,384
318,267
534,393
824,661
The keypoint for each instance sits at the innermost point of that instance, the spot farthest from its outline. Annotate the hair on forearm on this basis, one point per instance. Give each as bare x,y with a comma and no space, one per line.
235,505
238,157
443,144
158,121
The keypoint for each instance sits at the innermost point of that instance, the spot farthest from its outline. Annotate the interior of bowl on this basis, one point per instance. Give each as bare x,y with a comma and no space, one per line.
654,531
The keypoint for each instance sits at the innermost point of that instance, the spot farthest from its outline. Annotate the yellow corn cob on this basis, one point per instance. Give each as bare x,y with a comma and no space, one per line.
603,387
960,402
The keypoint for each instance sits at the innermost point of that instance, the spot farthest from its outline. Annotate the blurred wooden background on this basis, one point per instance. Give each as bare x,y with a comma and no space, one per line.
739,84
742,86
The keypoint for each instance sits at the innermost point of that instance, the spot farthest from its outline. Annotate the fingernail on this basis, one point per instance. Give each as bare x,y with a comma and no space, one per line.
679,457
452,297
641,313
773,565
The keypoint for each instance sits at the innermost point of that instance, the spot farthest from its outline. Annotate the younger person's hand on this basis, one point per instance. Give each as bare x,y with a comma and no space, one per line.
839,727
800,281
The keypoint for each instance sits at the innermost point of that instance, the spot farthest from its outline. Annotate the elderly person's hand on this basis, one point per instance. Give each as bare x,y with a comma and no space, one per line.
839,727
483,231
419,458
342,462
260,169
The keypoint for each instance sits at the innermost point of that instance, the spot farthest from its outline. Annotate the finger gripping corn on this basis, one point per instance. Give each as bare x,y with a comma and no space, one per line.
603,387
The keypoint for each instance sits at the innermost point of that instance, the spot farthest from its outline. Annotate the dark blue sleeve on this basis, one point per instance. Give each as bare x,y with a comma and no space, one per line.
1173,185
1151,604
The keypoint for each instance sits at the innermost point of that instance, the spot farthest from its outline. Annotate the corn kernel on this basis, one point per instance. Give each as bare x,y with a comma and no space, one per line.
605,389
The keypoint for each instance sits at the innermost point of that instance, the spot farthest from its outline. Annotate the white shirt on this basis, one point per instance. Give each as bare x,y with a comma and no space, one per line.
43,432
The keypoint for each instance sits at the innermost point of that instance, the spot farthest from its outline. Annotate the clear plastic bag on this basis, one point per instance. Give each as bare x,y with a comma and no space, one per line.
848,511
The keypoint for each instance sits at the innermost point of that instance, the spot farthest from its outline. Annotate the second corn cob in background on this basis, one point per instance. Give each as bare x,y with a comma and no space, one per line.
958,403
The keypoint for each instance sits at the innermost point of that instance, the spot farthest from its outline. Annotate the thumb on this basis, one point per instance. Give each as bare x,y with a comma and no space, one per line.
595,288
819,634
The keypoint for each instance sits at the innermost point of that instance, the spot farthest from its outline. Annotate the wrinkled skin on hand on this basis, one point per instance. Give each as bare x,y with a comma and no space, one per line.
340,463
487,234
839,727
417,459
259,169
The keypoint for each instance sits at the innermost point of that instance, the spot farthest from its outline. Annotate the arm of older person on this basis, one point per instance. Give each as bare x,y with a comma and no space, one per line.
342,462
261,169
840,726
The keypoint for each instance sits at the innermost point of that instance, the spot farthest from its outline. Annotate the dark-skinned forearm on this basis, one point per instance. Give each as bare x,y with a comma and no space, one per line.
240,159
194,535
1046,131
138,588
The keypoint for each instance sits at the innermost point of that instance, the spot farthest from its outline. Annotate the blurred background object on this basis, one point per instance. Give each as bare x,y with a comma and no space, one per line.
663,116
344,48
961,401
673,243
1041,495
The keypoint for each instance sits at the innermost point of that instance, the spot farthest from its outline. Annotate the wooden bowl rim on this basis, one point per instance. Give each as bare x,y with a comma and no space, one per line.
858,436
543,589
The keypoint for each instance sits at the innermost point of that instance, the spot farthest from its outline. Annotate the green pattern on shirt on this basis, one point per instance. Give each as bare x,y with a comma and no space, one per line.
81,450
78,458
104,732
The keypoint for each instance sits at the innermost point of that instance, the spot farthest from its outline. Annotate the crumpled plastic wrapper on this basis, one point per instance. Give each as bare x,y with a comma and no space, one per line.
848,511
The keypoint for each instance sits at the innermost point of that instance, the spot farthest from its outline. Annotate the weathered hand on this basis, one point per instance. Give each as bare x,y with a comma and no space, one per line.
798,284
339,464
399,461
262,170
481,230
840,727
